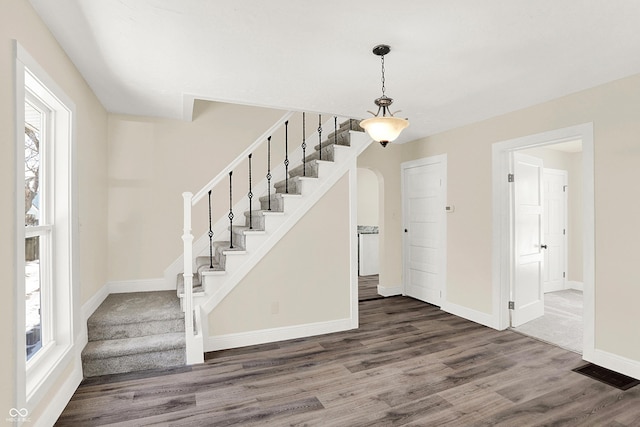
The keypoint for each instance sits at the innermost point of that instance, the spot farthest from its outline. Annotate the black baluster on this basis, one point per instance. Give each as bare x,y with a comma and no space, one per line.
250,195
210,235
230,211
335,130
269,172
320,135
286,157
304,146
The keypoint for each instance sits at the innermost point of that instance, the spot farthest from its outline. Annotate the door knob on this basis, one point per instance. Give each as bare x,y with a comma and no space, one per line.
543,246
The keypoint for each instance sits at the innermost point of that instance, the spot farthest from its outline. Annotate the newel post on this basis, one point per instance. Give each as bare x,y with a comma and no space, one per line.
187,239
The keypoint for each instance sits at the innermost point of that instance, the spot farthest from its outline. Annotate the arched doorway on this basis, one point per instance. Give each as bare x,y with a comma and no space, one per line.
369,233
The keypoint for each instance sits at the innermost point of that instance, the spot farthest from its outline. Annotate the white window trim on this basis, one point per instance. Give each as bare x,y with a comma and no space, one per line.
37,377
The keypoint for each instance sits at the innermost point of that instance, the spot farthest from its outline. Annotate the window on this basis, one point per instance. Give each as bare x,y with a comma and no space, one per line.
37,221
46,220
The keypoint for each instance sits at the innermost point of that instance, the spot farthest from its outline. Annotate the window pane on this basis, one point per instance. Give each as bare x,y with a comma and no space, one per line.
32,137
33,274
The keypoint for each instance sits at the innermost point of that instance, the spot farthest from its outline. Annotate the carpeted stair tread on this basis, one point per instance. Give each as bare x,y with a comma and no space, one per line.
137,307
225,246
262,212
130,346
275,196
244,229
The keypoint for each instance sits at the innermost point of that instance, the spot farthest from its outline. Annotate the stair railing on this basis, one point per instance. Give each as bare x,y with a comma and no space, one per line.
193,316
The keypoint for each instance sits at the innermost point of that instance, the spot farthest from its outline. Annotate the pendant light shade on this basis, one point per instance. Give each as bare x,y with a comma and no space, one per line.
385,128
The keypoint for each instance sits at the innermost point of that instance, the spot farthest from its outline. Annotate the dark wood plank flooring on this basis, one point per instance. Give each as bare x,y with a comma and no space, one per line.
409,364
368,287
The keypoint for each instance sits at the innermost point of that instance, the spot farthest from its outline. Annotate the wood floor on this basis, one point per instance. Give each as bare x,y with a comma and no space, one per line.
368,287
408,364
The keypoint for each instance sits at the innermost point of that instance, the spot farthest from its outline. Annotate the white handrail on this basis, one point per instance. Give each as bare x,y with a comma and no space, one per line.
242,157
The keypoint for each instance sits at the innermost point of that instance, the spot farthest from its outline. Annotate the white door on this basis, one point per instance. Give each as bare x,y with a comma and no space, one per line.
555,228
424,224
527,293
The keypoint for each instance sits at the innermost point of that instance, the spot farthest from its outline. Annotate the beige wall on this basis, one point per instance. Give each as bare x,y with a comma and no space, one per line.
153,161
572,163
18,21
292,285
613,110
368,204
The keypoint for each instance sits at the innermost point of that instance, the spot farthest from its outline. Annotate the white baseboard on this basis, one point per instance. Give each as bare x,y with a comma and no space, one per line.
140,285
616,363
63,395
243,339
480,317
389,291
571,284
94,302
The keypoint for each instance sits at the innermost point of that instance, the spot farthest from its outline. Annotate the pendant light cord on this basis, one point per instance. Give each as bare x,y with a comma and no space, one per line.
383,87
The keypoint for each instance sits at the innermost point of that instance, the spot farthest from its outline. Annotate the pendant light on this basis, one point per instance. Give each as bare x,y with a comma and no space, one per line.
385,128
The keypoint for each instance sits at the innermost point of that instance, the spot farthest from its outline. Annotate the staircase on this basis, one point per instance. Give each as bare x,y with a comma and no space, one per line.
146,330
135,331
213,278
209,276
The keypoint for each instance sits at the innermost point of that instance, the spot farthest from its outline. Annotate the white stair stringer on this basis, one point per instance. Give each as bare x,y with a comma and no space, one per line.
277,224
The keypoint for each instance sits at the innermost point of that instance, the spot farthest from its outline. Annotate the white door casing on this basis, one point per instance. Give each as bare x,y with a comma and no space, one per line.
555,229
501,242
424,223
528,253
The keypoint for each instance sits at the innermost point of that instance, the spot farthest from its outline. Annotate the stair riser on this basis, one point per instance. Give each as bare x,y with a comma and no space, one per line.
342,139
256,219
204,263
260,222
343,127
277,204
294,187
239,239
350,124
310,170
108,332
211,284
327,154
133,362
221,258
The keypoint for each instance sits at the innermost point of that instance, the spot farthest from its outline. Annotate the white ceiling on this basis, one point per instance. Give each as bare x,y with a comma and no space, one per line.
453,62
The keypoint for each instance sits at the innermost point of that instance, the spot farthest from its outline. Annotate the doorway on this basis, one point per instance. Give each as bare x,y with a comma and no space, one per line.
560,319
504,238
424,187
368,234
